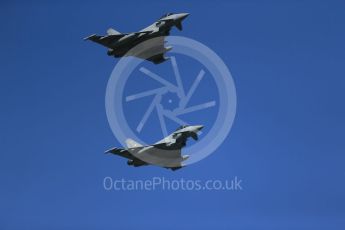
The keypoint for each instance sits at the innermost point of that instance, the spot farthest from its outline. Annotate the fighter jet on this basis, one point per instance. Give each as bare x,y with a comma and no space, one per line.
119,44
165,153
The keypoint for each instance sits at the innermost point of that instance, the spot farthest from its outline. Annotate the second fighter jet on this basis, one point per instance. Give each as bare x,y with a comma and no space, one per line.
119,44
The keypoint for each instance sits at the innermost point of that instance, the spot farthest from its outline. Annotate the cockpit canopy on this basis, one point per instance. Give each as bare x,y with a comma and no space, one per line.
182,127
166,15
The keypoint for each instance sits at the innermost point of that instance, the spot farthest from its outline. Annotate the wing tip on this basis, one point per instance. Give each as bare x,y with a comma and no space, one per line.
89,37
110,150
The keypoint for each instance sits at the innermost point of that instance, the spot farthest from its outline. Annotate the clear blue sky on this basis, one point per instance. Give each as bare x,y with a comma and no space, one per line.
287,143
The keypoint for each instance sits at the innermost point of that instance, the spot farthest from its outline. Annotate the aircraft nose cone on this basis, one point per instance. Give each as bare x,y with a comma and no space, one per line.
199,127
182,16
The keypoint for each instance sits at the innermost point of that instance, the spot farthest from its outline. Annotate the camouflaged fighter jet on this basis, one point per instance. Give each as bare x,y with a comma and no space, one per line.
165,153
119,44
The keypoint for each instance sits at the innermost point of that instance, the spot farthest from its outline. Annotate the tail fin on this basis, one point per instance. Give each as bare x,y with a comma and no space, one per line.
111,31
132,144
